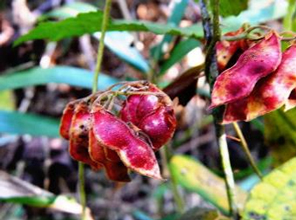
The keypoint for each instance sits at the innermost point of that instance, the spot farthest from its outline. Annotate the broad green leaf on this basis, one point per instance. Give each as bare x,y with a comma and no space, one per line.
178,53
21,123
202,214
7,101
88,23
18,191
232,7
58,74
119,43
195,177
275,197
280,135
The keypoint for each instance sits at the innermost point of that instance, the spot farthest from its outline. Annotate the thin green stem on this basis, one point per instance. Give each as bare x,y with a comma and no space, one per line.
81,189
101,45
229,180
245,148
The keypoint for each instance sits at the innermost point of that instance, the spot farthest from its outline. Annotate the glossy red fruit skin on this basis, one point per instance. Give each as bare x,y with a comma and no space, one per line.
255,63
129,109
159,126
78,147
113,133
148,108
115,170
269,94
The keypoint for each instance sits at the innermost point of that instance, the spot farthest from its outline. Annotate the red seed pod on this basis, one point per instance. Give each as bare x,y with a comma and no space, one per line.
78,147
67,119
113,133
115,171
159,126
291,102
137,107
238,81
269,94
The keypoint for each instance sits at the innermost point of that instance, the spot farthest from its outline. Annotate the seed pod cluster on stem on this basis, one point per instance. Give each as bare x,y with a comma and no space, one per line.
99,137
262,80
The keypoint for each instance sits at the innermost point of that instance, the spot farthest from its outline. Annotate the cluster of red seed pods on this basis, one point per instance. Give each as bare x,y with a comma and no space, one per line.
262,80
101,139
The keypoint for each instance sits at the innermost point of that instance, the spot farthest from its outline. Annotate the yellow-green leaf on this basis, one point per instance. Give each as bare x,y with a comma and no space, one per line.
275,197
195,177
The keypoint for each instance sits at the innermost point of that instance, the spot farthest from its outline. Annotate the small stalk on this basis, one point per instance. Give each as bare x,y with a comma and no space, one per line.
102,44
245,148
228,174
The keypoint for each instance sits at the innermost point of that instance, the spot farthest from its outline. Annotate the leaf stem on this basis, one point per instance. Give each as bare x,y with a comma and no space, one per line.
245,148
105,22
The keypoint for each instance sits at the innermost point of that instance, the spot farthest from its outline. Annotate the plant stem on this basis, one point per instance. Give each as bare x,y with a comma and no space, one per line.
81,189
245,148
229,180
101,45
212,34
94,90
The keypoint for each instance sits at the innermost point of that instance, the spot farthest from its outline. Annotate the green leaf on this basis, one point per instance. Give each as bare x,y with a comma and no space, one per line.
88,23
232,7
18,191
202,214
195,177
119,43
178,53
20,123
280,135
58,74
275,197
